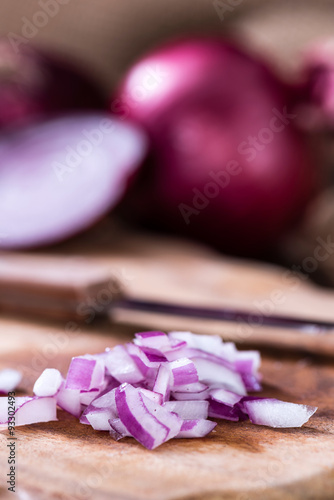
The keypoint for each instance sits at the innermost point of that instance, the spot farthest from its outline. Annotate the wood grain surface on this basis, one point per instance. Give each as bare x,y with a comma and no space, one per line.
67,460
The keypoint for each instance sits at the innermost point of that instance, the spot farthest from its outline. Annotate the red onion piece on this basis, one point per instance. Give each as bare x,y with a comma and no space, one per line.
152,339
118,429
69,400
29,410
162,383
154,396
220,410
188,410
85,373
228,398
99,419
134,412
9,380
196,428
183,371
86,397
231,168
193,388
213,373
48,383
275,413
122,366
191,396
59,177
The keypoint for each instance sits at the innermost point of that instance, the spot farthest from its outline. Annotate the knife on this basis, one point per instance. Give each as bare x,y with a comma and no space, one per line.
63,287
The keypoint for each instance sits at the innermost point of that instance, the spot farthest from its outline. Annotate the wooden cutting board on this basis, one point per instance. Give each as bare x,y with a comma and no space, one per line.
67,460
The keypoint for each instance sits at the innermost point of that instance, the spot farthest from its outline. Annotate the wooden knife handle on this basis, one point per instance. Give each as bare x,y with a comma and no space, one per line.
59,287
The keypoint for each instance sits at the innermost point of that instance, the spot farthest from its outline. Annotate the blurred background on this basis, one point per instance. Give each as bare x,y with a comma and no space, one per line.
106,38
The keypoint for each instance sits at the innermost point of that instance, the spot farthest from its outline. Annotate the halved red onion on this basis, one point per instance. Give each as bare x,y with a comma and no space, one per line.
275,413
48,383
9,379
29,410
59,177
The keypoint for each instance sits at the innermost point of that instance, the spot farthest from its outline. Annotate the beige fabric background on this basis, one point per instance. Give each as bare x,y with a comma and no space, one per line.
105,35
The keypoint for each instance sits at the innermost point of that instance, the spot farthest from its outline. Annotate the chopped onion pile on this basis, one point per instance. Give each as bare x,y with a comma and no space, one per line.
157,388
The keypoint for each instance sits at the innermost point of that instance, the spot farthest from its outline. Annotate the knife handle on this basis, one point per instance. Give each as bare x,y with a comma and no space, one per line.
68,288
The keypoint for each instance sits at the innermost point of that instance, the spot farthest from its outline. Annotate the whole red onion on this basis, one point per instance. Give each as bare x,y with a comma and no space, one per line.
34,84
230,167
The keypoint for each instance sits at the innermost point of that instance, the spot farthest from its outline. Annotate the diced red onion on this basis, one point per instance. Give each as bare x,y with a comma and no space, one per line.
122,367
213,373
191,396
188,410
220,410
152,339
99,419
69,400
134,412
30,410
86,397
275,413
85,373
193,388
48,383
154,396
165,399
9,380
196,428
226,397
118,429
162,382
183,371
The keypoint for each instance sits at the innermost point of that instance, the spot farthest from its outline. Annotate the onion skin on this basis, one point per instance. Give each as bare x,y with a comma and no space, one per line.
202,101
35,85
